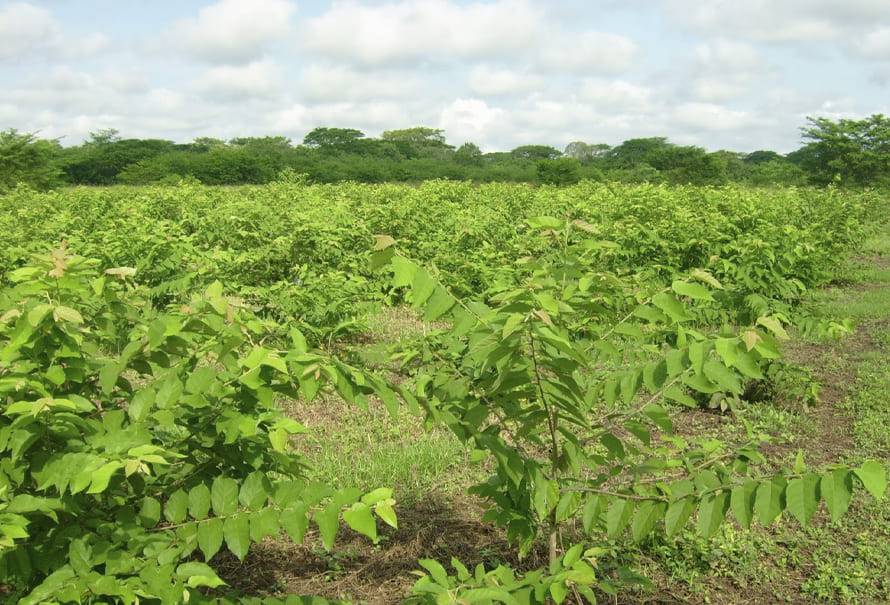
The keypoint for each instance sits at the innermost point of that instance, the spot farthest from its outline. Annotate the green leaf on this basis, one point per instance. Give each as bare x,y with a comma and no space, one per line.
727,349
711,512
200,379
150,512
37,314
295,521
108,376
691,290
385,511
770,500
645,518
278,439
199,501
436,571
264,523
210,537
672,307
654,376
630,385
198,574
706,277
613,445
837,490
677,515
659,416
254,491
802,497
742,502
121,272
422,287
176,508
545,222
558,591
62,313
380,258
224,496
403,272
722,376
328,521
236,530
360,519
141,405
80,557
678,395
748,366
101,477
383,241
378,495
618,516
513,321
439,303
773,325
591,512
874,478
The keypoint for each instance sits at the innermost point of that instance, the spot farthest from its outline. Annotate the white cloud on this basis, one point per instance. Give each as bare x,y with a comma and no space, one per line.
875,44
786,21
590,52
25,28
727,69
85,46
497,72
724,54
713,117
371,117
333,83
489,81
469,119
718,89
423,30
758,19
29,31
258,79
234,31
616,94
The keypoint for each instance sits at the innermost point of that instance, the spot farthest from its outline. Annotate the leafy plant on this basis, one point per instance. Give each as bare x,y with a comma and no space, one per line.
139,443
568,399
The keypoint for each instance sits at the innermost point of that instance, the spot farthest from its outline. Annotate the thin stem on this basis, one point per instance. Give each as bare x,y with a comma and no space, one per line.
552,421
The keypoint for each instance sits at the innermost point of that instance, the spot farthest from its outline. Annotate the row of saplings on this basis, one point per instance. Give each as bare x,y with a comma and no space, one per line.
137,443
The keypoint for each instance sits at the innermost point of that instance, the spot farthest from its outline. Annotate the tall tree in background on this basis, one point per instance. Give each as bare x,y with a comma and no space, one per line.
586,152
536,152
468,154
855,152
26,159
419,142
340,139
105,155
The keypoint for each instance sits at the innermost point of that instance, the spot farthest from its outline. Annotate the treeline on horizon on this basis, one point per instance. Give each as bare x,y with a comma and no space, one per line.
845,152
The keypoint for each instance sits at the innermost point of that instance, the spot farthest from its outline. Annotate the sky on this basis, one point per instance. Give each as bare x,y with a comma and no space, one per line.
723,74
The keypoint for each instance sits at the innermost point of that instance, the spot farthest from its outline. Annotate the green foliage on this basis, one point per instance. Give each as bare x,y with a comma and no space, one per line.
139,442
535,152
25,159
572,574
560,171
856,152
565,325
335,138
562,381
848,152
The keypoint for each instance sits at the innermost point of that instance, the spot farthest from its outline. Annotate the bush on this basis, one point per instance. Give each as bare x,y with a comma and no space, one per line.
561,171
138,443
